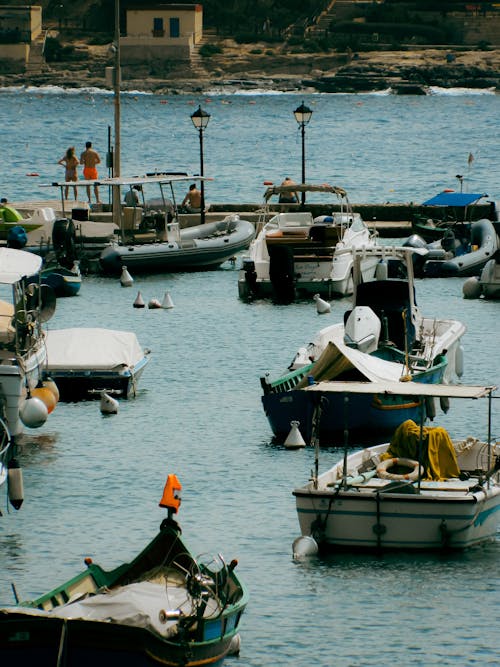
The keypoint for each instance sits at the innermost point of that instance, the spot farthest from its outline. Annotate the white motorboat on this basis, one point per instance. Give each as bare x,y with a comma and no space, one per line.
383,336
23,309
295,255
420,491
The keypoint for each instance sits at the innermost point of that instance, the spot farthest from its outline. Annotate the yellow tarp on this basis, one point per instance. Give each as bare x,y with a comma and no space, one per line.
438,454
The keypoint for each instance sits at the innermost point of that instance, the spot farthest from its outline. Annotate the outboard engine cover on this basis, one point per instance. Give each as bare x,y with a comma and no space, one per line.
362,329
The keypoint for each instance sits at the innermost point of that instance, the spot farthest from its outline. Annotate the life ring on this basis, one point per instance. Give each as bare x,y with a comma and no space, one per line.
383,466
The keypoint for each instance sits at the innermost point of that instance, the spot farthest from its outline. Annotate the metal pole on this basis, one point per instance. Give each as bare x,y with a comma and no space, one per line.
202,186
303,161
116,156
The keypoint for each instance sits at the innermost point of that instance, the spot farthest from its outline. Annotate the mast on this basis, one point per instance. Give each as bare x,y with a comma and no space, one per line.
117,86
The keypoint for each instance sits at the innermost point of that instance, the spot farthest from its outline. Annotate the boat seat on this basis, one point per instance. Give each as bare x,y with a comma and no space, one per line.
7,331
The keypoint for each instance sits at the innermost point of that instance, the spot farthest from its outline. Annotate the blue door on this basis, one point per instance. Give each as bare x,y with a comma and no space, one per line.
174,28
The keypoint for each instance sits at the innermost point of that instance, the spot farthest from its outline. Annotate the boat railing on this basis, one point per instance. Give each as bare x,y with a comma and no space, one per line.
286,382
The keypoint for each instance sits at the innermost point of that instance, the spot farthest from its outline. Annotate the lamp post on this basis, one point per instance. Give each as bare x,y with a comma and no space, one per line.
200,120
303,116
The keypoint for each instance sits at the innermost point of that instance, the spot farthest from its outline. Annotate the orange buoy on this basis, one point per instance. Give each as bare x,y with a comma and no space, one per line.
33,173
52,386
268,183
46,396
171,493
448,190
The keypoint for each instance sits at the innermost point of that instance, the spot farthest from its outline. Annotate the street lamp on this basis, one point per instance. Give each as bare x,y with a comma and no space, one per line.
200,120
303,116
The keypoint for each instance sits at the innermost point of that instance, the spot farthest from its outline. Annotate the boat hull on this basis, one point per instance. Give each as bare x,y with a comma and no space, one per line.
187,254
399,521
25,641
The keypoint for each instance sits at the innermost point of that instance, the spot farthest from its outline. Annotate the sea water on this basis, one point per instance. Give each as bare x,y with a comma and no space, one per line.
93,482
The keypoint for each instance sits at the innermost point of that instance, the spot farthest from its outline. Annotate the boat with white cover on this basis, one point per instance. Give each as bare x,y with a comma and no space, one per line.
421,490
83,362
294,255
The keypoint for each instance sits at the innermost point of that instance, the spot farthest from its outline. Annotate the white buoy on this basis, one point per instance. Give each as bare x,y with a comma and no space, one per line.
305,545
154,303
294,439
139,301
15,484
109,405
126,279
472,288
322,306
33,412
235,645
167,301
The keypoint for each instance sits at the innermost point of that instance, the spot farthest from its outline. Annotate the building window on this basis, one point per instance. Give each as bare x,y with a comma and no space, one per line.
158,29
174,27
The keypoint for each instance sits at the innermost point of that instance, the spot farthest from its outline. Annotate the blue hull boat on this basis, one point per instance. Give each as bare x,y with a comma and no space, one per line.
383,338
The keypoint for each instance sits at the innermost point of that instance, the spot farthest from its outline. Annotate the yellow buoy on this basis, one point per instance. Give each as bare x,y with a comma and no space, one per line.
46,396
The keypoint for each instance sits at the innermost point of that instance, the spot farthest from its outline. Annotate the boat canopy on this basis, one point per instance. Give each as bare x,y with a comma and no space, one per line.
454,199
128,181
403,389
17,264
303,187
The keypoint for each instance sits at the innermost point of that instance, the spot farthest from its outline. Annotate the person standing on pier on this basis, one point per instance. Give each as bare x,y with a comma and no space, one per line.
90,159
70,163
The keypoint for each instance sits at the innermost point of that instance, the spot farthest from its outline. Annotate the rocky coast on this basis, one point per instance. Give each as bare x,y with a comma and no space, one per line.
411,71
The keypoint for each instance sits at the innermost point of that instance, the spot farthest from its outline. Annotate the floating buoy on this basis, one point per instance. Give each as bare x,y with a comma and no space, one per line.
472,288
294,439
33,413
46,396
154,303
126,279
167,301
268,182
52,386
15,484
32,173
139,301
305,545
109,405
322,306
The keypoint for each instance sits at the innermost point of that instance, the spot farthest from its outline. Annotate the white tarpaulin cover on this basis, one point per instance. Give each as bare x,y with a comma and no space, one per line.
95,349
136,605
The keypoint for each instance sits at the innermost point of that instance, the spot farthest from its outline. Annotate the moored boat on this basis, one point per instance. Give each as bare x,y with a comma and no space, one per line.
164,607
383,337
85,361
421,490
294,255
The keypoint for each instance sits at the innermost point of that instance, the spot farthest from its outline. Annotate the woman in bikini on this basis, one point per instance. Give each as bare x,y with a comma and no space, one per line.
70,162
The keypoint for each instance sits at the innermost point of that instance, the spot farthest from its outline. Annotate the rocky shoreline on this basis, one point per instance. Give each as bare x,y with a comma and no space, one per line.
404,72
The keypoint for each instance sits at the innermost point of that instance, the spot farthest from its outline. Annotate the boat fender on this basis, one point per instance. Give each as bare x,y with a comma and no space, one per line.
382,270
459,361
46,396
33,413
472,288
15,484
383,467
171,493
17,237
430,407
444,402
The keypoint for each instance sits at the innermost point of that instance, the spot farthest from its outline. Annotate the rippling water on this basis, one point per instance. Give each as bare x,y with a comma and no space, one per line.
93,482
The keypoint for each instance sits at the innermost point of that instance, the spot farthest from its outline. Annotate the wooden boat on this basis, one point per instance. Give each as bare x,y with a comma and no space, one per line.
165,607
383,337
294,255
420,491
63,281
85,361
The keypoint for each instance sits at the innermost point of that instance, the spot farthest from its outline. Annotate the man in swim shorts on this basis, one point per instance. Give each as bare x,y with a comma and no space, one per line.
90,159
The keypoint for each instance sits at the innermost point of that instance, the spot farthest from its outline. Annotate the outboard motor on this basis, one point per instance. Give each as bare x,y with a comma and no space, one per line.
362,329
416,241
64,242
282,273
